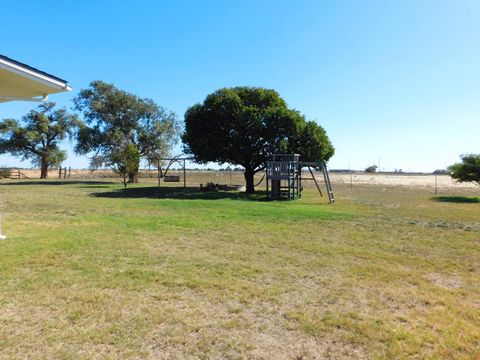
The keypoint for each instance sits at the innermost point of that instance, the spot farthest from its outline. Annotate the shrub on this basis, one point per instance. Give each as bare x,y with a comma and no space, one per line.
5,173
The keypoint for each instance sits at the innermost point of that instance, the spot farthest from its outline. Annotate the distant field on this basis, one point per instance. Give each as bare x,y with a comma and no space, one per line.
195,178
90,270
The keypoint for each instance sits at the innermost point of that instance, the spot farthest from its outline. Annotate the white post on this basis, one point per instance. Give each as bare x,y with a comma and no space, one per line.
2,237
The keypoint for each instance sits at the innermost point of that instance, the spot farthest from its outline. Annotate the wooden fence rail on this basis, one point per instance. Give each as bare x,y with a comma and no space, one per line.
17,174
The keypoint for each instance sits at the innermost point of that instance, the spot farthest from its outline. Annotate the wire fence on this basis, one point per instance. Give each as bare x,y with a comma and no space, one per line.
235,177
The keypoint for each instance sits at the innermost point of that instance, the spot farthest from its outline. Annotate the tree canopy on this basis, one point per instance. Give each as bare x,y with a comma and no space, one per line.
36,137
114,117
246,125
468,170
371,169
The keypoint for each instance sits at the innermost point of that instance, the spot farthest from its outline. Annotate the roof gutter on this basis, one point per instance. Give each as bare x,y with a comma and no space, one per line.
13,98
31,74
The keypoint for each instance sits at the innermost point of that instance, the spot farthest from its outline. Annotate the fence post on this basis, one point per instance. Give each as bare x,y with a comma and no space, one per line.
184,175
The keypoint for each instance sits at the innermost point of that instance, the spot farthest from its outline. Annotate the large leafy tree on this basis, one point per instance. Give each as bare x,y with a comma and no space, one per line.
246,125
468,170
37,135
113,117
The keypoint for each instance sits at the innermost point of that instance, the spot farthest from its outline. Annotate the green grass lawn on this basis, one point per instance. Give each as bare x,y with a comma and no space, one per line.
90,270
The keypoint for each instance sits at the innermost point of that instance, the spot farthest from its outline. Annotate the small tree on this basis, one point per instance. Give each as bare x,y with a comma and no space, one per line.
468,170
371,169
125,160
155,157
36,136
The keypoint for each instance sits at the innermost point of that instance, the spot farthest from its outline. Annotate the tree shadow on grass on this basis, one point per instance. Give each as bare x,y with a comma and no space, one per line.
59,182
189,193
457,199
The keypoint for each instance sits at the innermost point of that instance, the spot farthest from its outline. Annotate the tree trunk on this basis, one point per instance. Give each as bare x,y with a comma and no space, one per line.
133,177
249,175
43,168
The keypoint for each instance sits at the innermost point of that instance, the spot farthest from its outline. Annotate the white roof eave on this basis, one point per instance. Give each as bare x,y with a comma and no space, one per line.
33,75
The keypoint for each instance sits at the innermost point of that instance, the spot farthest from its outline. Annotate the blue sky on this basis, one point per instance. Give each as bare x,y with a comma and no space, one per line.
397,81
